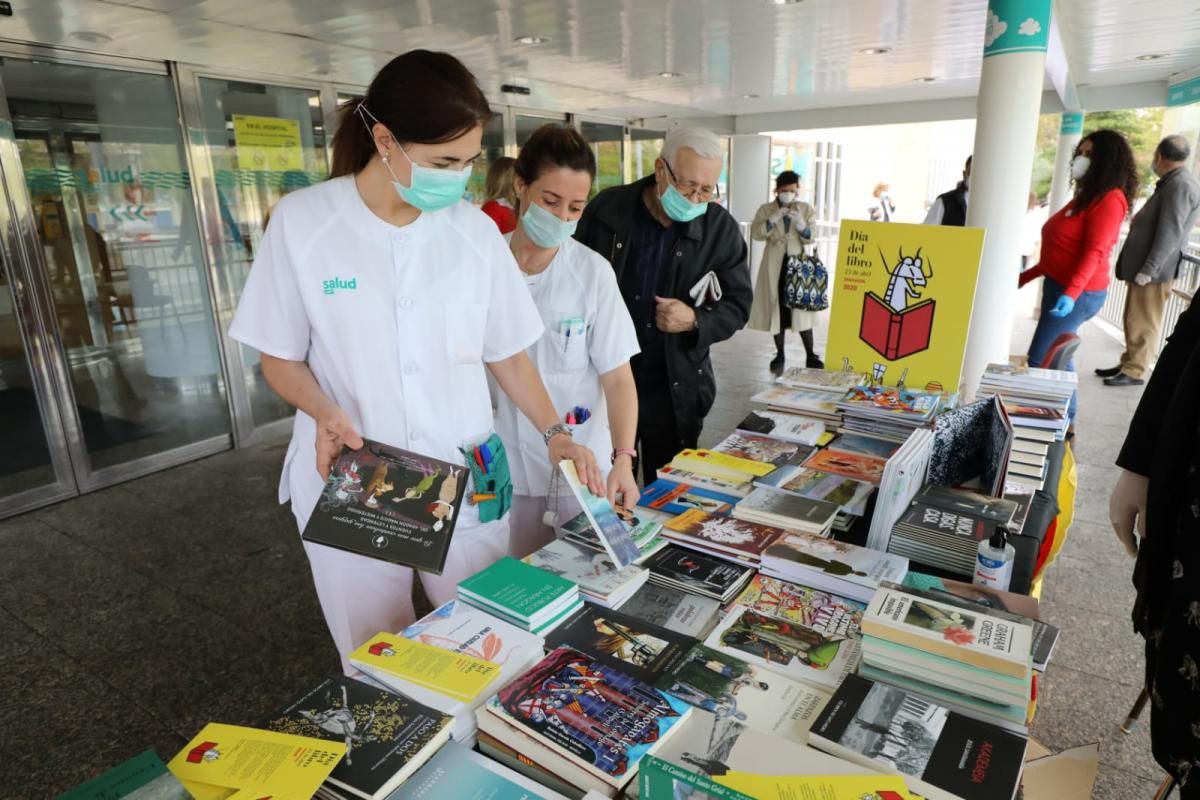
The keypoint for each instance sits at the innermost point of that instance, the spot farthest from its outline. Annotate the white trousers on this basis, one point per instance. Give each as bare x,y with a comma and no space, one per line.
529,532
362,596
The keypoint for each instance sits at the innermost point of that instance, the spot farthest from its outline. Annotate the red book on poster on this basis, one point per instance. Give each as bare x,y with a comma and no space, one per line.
896,334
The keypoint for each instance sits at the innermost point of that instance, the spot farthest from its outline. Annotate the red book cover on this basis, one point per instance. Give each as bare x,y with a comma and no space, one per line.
893,334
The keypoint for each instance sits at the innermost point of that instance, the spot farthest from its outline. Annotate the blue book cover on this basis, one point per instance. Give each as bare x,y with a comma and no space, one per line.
674,498
457,772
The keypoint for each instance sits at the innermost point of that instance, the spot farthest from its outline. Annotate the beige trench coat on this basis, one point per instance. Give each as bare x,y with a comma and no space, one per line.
764,313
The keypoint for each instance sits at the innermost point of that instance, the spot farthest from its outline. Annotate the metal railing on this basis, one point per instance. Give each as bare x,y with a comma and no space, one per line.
1113,310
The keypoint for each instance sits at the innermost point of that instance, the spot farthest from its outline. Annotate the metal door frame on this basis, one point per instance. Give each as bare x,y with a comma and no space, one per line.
37,316
577,121
187,79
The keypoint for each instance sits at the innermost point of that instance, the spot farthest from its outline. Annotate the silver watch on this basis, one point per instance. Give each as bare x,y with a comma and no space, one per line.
555,430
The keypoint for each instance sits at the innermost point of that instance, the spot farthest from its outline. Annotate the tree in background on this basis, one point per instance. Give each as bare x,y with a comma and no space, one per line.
1141,126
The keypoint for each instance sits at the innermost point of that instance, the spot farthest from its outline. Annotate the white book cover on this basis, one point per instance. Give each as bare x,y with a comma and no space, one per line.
785,647
823,403
903,477
953,633
592,570
787,427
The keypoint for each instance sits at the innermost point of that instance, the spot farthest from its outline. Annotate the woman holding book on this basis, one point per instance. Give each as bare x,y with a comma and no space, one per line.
589,338
380,300
1077,241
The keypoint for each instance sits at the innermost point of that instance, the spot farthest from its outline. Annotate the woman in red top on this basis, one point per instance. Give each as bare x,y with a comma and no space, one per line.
501,197
1077,241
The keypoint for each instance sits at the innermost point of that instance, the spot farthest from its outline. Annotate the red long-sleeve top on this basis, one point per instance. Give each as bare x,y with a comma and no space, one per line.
1076,245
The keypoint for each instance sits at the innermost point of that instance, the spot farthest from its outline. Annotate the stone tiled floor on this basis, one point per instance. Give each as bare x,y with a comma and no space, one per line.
131,616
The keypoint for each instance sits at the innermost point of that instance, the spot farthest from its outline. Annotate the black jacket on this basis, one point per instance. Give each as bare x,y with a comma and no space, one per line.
713,243
954,206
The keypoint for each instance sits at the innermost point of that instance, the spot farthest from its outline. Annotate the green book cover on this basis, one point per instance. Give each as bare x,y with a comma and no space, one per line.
144,775
516,587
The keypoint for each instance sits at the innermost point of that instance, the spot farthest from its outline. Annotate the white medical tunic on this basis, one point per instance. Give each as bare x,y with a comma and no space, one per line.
588,332
396,323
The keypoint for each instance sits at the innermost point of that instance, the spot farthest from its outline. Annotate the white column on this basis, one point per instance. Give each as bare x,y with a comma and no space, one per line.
749,184
1069,134
1010,94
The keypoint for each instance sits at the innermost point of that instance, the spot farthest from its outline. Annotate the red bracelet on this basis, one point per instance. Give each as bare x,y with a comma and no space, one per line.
623,451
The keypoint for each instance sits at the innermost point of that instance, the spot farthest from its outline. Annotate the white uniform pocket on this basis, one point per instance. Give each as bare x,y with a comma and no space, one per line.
465,324
567,334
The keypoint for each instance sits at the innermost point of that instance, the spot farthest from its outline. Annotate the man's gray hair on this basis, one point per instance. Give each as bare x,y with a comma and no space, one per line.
701,140
1174,148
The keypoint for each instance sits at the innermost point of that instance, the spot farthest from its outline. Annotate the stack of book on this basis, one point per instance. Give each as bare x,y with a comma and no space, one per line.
623,642
672,499
974,662
523,595
1037,403
788,648
764,449
680,568
942,755
821,405
683,612
723,537
460,630
903,477
856,466
783,426
887,412
702,480
820,610
837,567
791,512
388,737
645,536
850,495
723,467
943,527
820,380
576,720
599,581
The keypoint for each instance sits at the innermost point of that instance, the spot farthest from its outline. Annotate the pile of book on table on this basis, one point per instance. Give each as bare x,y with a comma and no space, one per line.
943,527
887,412
522,595
1037,402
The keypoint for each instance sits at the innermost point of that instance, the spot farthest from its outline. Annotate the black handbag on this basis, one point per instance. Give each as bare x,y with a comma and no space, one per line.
805,282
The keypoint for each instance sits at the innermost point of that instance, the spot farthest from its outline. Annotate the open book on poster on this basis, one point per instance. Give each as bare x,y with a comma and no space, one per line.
606,522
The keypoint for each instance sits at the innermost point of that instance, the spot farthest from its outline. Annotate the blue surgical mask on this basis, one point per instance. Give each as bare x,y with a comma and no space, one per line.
545,229
678,207
429,189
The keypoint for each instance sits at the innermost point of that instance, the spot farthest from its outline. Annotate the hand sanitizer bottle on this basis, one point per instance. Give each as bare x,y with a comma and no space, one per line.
994,562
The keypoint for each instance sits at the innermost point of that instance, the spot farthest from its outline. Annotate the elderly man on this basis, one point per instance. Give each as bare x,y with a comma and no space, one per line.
1149,260
681,264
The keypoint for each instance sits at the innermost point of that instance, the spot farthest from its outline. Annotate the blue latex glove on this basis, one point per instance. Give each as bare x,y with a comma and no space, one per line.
806,233
1063,307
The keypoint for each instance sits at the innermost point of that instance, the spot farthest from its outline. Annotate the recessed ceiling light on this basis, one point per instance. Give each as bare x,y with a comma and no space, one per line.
1151,56
90,37
531,39
874,51
750,96
667,74
784,2
925,79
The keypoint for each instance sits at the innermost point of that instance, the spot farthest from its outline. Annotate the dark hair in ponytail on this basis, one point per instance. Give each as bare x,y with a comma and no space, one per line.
422,97
552,146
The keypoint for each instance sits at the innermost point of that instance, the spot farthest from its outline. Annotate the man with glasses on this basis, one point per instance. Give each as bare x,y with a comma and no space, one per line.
681,263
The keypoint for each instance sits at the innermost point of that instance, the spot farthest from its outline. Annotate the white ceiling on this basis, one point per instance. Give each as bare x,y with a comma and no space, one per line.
605,56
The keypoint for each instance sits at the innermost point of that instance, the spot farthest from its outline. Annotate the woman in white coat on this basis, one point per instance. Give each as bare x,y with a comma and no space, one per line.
785,224
380,300
583,356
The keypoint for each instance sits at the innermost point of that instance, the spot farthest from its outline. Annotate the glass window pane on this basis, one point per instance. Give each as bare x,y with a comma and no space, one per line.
113,207
527,124
493,148
645,146
25,457
238,119
608,144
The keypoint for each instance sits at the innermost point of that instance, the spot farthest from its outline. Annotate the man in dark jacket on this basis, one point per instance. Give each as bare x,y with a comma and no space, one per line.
1149,260
669,245
950,208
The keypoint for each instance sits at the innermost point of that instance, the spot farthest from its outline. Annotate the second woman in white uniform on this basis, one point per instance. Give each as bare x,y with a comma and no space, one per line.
583,356
380,300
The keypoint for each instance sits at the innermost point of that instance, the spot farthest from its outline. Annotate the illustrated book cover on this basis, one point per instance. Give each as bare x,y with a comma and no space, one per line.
822,611
764,449
676,498
675,609
623,642
702,574
782,426
740,539
608,526
859,467
849,494
391,504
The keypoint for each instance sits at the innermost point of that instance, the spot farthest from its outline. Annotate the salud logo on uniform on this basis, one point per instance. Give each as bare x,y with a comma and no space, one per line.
333,284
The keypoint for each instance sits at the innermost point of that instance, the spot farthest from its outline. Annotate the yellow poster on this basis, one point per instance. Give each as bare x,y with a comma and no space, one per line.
902,299
268,143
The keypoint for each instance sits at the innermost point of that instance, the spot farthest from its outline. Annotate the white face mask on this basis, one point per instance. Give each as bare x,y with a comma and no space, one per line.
786,197
1079,166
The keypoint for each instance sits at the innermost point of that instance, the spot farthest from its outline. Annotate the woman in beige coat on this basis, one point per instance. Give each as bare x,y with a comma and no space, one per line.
785,224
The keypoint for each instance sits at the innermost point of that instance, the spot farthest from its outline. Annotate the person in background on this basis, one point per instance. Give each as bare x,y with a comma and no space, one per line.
785,224
584,354
666,238
1149,259
432,301
1154,509
1031,230
950,208
881,208
501,201
1077,241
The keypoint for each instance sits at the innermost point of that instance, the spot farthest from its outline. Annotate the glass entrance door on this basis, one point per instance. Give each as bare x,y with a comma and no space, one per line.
117,261
608,143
